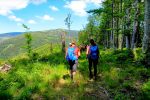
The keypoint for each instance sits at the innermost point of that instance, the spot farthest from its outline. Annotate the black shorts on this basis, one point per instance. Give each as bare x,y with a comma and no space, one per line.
73,65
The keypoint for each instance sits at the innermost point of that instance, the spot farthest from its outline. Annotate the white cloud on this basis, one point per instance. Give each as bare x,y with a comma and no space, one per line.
96,2
37,2
14,18
19,24
46,17
5,12
53,8
31,21
7,6
79,6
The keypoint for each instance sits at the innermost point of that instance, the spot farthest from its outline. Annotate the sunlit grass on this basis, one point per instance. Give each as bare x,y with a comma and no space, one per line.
48,77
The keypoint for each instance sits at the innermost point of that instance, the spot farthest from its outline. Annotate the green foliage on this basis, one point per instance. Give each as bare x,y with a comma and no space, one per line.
91,31
111,78
1,62
28,41
83,36
146,90
123,76
125,55
44,77
138,55
16,45
28,44
119,56
4,95
35,56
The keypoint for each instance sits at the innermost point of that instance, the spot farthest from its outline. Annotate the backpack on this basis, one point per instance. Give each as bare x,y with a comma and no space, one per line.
94,52
71,54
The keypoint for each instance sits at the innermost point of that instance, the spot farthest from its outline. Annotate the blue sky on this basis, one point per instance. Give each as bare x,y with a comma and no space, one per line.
43,14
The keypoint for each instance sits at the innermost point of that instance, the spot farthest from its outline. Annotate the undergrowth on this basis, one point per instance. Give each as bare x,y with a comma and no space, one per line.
46,76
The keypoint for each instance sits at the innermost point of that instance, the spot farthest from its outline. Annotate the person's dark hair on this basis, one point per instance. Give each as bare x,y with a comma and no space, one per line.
92,42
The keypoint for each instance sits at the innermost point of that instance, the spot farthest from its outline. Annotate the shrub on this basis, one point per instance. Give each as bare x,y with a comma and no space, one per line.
35,56
138,55
146,91
125,55
120,96
5,95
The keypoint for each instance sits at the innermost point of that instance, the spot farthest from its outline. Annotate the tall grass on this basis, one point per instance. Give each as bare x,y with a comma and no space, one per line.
48,77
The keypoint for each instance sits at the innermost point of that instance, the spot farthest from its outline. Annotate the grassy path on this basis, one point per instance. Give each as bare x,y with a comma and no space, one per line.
48,78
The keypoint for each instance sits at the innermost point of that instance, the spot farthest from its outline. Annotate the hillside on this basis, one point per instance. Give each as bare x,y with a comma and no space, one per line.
114,40
13,46
47,77
4,36
10,34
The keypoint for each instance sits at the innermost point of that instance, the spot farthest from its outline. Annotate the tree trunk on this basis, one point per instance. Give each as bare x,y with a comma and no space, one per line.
112,31
138,37
63,42
128,41
117,33
120,40
120,44
128,28
136,25
135,34
108,39
63,45
146,38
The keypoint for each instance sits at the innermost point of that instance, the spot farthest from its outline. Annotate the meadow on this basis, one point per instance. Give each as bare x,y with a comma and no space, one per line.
15,45
121,76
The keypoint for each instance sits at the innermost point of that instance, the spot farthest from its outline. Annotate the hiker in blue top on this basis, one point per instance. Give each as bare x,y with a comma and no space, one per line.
72,54
93,56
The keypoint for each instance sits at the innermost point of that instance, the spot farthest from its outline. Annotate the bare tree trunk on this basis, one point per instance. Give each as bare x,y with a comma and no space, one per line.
63,42
120,44
118,19
146,38
112,31
105,38
108,41
120,40
136,25
138,37
128,28
117,33
63,45
128,41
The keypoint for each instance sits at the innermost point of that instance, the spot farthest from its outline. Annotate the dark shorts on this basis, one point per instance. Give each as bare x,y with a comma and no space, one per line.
73,65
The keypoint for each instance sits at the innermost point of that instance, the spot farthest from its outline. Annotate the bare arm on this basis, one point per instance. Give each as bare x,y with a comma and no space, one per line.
87,50
79,52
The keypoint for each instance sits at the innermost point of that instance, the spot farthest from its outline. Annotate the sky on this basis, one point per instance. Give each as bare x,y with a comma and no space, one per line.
44,14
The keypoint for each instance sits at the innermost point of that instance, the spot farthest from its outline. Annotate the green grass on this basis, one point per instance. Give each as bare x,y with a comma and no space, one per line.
48,77
13,46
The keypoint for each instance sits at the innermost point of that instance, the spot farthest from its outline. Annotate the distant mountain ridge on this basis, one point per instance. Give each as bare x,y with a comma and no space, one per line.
12,46
11,34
